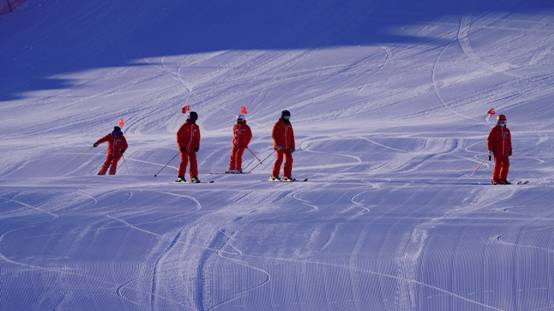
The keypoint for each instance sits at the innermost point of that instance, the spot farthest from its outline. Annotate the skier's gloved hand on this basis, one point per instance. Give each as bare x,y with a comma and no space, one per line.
183,149
278,148
490,156
94,145
292,150
510,154
123,151
196,149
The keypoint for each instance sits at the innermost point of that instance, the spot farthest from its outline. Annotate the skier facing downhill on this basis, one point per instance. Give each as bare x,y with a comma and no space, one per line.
242,134
188,140
283,143
500,146
117,144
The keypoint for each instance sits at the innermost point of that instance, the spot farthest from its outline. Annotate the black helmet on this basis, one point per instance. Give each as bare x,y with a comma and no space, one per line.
116,131
193,116
285,113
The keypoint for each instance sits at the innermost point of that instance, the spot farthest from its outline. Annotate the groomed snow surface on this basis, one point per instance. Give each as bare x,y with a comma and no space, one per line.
388,100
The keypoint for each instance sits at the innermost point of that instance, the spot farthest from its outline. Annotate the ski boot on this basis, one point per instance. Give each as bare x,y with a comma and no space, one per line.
180,179
289,179
273,178
230,171
194,180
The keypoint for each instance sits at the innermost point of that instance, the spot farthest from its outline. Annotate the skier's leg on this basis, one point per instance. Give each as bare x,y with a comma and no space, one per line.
193,164
497,169
505,169
105,165
277,164
238,158
288,164
183,165
113,166
233,159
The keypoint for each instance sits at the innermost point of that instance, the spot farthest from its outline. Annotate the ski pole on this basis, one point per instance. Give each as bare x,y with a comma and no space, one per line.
125,163
156,175
478,167
260,163
255,156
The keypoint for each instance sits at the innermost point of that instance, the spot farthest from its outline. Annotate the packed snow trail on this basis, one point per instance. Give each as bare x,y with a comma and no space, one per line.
388,102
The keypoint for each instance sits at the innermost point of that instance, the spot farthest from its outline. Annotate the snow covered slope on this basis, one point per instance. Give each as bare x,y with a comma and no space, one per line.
388,100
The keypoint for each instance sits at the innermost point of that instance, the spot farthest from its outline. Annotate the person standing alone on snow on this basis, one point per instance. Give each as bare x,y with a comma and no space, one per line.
500,146
117,144
241,138
188,140
283,143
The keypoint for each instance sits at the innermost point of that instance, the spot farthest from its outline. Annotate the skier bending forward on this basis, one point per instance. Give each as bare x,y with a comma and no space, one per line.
117,144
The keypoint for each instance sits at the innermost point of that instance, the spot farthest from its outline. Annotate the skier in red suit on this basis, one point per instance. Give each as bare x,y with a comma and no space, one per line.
117,144
284,145
242,134
188,140
500,146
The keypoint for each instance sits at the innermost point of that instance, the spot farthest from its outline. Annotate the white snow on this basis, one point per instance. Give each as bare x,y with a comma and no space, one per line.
388,101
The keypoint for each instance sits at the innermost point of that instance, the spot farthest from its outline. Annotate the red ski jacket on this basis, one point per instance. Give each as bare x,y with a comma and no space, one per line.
188,137
283,135
241,135
500,141
116,145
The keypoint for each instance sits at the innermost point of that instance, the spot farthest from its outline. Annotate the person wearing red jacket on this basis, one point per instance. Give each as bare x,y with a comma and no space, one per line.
500,146
117,144
284,145
188,140
242,134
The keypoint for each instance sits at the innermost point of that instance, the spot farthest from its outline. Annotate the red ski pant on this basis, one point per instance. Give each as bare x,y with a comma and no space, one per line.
185,158
235,163
111,163
501,168
279,160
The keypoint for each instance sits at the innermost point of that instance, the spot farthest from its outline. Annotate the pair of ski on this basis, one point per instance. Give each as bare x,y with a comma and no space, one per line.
271,179
519,182
193,182
283,180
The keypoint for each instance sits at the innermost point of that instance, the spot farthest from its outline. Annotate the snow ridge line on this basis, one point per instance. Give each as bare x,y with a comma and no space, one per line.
220,252
313,207
54,215
435,85
383,275
153,293
465,45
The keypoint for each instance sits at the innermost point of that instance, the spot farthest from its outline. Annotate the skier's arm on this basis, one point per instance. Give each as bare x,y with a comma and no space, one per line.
490,141
197,138
102,140
248,135
180,138
293,140
277,136
509,143
236,141
124,145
